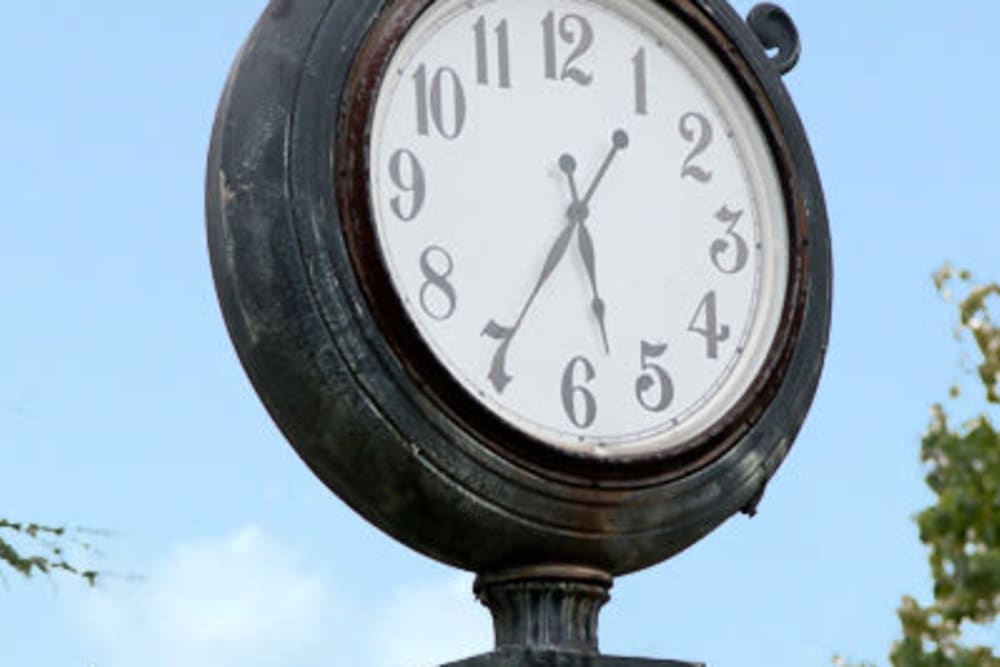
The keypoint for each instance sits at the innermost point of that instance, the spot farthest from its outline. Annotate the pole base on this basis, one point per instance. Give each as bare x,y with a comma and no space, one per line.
525,657
546,616
546,607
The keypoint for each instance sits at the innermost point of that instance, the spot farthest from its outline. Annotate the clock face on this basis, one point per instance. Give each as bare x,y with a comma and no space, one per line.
581,217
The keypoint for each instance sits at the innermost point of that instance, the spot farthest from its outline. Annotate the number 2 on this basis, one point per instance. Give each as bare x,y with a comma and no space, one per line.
701,136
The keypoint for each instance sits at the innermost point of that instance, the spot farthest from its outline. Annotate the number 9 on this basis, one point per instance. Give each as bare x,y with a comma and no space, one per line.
411,182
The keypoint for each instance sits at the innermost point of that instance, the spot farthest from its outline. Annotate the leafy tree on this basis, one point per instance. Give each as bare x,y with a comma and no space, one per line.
47,550
962,527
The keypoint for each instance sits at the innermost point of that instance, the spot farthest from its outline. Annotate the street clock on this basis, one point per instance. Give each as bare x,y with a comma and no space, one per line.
536,286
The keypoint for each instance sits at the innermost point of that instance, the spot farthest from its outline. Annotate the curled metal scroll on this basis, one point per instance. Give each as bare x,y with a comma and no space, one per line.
775,29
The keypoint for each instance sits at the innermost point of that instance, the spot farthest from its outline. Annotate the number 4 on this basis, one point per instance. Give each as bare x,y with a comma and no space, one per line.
706,323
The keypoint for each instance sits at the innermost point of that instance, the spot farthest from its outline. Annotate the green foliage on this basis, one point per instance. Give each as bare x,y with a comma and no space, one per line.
962,527
974,318
48,555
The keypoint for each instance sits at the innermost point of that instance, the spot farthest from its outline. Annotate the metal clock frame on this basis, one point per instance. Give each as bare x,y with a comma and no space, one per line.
347,378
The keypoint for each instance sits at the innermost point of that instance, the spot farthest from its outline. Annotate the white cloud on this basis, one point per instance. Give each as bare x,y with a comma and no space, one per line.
429,624
245,600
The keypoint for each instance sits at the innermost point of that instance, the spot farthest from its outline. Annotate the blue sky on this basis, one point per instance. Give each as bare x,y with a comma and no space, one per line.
123,407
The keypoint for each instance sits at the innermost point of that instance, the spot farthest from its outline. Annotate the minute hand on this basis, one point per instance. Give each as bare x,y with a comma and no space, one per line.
575,216
498,373
585,241
619,141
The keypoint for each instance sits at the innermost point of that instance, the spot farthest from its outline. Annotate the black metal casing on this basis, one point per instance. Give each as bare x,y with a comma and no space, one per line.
341,372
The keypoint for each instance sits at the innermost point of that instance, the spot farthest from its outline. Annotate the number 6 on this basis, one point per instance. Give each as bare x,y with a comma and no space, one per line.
570,390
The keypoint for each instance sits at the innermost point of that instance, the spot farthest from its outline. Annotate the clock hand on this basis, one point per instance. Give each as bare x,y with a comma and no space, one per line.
578,213
586,245
498,375
576,216
619,141
581,211
567,163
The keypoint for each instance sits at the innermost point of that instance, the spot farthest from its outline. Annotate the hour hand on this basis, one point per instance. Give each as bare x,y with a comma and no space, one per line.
586,245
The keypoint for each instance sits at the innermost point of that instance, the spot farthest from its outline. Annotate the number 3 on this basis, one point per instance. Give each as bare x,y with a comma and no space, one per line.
721,247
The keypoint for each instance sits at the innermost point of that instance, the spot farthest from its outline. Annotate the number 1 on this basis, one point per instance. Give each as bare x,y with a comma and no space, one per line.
639,63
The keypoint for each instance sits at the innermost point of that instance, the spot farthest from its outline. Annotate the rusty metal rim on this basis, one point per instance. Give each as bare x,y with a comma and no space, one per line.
413,354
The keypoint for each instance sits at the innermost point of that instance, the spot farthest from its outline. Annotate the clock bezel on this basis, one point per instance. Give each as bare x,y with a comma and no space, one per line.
417,359
319,361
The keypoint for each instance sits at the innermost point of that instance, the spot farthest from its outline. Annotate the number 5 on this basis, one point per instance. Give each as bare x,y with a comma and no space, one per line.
654,375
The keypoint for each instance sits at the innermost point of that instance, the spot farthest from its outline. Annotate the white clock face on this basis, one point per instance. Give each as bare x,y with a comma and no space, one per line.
581,217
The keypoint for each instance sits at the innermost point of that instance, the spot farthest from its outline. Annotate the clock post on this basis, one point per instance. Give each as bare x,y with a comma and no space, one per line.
540,289
546,616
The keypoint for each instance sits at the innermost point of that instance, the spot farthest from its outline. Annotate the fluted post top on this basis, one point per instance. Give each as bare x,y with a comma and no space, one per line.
546,606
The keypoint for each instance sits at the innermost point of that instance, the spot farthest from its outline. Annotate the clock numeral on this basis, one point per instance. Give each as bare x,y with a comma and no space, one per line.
575,31
639,65
407,175
498,374
437,296
430,102
706,323
654,375
737,246
696,129
482,53
576,397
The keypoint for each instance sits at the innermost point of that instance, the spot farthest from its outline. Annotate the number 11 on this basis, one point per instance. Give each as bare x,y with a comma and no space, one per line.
482,53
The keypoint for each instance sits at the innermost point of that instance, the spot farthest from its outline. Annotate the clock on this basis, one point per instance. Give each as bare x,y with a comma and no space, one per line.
576,210
525,282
